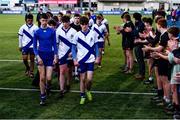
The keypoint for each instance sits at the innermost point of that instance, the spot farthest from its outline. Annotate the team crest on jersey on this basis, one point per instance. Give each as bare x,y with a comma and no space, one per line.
72,36
91,39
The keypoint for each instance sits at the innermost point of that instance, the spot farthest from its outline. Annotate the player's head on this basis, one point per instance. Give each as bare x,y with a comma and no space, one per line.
44,19
122,16
29,19
126,18
66,21
84,21
148,23
173,32
55,18
161,24
60,14
101,15
99,19
77,18
52,24
137,16
68,13
87,14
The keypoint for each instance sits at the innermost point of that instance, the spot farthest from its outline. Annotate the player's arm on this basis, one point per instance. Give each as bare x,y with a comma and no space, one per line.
20,35
35,48
155,49
74,50
55,47
157,54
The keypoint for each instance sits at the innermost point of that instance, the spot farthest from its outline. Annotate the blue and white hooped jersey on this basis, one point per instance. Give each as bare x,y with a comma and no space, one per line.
85,44
64,39
26,34
100,30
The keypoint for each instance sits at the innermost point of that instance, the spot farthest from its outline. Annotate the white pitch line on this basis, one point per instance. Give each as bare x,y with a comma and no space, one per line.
10,60
76,91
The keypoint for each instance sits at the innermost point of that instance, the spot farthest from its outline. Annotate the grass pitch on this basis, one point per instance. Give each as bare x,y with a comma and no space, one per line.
25,104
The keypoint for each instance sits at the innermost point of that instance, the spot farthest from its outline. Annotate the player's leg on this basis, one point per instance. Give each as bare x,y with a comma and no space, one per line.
83,71
69,74
25,61
89,80
49,70
63,71
100,52
42,82
31,74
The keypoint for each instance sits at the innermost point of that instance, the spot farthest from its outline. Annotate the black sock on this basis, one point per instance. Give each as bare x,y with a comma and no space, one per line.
160,92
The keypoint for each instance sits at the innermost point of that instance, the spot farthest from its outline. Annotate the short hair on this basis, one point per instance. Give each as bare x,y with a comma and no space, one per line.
68,12
157,18
60,13
144,19
162,22
65,19
77,15
87,13
127,17
84,20
100,14
52,22
149,20
55,18
99,17
137,16
44,16
122,16
174,31
28,16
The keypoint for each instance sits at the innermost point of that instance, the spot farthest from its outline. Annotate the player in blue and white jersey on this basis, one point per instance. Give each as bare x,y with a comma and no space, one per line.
64,37
85,52
26,34
101,31
46,54
105,21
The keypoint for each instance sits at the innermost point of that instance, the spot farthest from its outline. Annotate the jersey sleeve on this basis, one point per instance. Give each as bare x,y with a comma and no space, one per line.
75,39
35,48
55,43
20,36
171,57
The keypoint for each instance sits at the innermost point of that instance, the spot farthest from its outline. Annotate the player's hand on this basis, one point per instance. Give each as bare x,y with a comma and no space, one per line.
128,29
39,60
55,61
76,63
97,61
20,49
177,77
137,41
176,60
146,48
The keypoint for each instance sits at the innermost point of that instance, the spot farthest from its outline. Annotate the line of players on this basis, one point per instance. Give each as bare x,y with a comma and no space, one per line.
161,48
67,44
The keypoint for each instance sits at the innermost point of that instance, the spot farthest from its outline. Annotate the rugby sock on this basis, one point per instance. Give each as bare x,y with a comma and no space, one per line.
82,94
48,85
43,97
89,84
160,92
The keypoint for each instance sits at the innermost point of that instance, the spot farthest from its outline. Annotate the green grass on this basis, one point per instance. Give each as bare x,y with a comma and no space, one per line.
25,104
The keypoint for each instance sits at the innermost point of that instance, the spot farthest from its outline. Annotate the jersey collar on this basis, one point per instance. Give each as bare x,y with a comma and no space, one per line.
85,33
